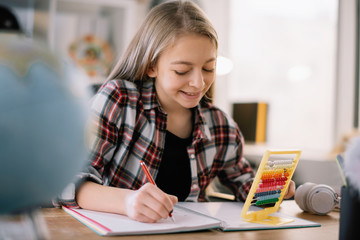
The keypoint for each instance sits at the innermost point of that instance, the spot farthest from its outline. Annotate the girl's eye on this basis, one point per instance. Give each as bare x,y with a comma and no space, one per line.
181,73
208,70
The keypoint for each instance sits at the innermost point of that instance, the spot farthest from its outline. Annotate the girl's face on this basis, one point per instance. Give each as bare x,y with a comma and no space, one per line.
184,72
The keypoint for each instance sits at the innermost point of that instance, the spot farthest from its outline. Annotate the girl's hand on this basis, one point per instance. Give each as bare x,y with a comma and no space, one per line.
290,192
149,204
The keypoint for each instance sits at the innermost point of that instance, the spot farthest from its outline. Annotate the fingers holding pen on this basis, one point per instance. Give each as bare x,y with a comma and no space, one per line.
149,204
159,201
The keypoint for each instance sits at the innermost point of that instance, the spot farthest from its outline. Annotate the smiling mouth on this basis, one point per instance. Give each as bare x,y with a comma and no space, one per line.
191,94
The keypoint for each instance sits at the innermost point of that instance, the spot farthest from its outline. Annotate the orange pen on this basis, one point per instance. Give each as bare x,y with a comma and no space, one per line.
151,180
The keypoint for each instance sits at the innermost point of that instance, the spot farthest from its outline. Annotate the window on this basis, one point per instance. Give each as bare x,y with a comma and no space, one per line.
284,53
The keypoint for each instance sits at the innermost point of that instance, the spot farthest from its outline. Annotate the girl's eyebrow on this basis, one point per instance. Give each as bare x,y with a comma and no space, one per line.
190,63
181,62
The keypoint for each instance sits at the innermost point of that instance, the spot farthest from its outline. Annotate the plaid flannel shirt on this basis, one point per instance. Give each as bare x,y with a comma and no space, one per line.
130,126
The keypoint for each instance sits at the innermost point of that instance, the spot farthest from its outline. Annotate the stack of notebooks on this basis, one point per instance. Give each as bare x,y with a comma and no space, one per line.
251,117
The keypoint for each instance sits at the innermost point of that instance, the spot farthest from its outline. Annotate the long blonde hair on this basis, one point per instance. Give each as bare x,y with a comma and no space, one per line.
159,30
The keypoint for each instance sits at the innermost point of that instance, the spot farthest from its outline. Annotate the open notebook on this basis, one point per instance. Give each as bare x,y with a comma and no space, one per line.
189,216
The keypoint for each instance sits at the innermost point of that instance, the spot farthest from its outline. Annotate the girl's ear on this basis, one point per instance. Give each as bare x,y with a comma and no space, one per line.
151,72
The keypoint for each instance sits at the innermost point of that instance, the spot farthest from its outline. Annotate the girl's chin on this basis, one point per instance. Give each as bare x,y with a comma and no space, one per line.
189,104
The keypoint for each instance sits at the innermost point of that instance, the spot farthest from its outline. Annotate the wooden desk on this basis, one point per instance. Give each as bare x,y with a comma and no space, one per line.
63,226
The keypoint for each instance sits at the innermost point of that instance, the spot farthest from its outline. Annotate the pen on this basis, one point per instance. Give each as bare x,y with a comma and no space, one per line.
151,180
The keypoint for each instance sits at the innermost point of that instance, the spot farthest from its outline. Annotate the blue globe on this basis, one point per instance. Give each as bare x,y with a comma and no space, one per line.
43,113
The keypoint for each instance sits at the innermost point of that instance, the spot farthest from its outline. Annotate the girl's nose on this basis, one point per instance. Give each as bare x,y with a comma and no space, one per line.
197,80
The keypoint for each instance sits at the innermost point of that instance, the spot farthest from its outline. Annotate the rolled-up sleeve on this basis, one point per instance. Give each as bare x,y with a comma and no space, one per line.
68,196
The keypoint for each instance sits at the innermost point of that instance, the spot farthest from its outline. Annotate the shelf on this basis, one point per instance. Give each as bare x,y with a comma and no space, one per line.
93,33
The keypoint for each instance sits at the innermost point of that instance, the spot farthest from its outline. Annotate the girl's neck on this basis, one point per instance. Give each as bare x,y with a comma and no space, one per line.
180,123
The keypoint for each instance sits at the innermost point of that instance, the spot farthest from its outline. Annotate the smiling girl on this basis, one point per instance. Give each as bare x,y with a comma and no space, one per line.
156,107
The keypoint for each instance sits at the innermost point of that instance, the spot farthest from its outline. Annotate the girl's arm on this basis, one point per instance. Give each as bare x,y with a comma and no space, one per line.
147,204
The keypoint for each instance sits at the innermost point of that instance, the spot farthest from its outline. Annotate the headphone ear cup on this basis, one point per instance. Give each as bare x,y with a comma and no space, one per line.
321,199
301,194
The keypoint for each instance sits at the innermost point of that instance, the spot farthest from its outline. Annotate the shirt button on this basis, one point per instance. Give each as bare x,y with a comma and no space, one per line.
192,156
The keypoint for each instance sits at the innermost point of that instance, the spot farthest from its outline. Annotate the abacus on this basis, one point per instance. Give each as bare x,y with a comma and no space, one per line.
269,187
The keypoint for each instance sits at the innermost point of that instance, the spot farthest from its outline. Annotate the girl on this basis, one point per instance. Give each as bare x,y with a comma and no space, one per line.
156,107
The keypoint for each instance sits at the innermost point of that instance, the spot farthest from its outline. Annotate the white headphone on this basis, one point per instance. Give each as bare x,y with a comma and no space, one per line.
319,199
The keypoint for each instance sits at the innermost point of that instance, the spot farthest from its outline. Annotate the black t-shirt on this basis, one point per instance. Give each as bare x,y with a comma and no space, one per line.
174,175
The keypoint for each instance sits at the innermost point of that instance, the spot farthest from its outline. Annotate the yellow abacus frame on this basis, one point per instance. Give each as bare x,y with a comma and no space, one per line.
262,216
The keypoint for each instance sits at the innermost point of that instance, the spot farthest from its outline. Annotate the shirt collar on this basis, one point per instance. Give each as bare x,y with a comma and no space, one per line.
201,128
148,95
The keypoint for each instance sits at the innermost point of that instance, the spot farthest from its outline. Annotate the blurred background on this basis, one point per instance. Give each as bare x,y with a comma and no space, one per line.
298,58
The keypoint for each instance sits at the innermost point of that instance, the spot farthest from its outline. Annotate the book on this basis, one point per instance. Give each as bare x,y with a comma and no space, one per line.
251,118
189,216
108,224
229,215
